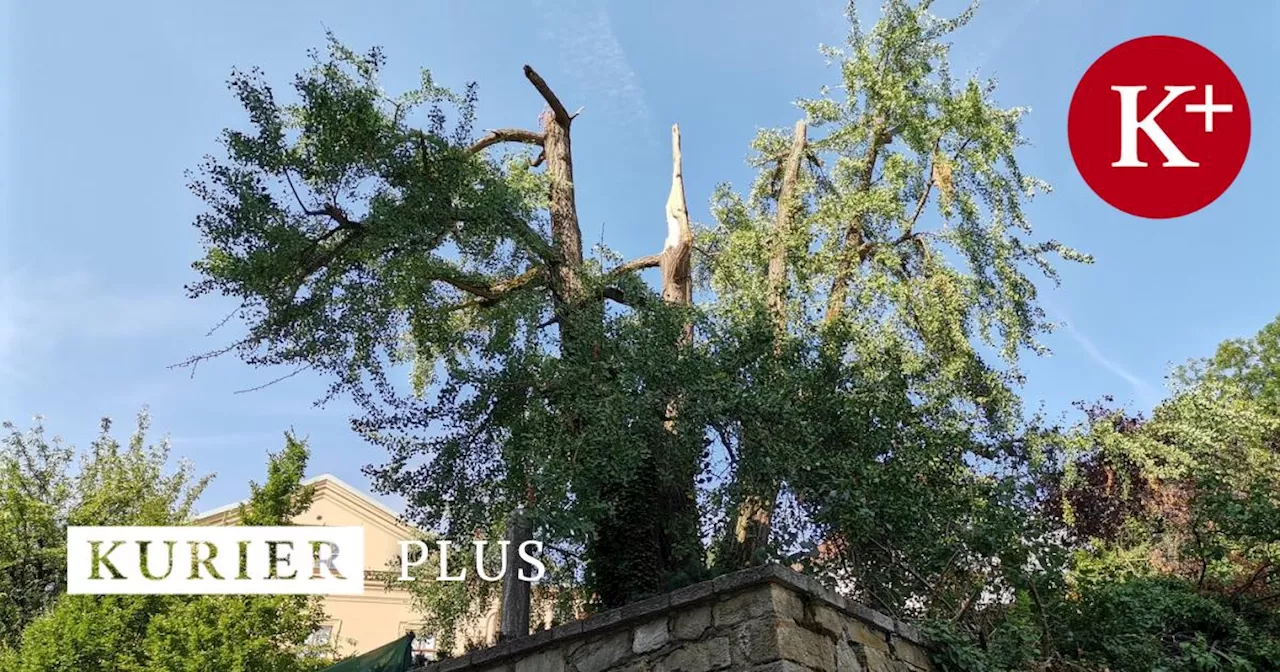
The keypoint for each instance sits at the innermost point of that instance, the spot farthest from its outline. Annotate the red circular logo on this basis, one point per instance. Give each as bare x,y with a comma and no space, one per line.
1159,127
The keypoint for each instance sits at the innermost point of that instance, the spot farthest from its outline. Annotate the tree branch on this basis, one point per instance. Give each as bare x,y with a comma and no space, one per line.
618,296
639,263
557,108
506,135
488,294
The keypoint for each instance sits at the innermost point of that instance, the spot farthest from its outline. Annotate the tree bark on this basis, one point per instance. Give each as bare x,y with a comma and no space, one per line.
566,236
681,547
677,253
777,279
515,593
753,522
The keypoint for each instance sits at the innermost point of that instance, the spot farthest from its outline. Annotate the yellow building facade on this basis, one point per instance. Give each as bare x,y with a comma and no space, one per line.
359,623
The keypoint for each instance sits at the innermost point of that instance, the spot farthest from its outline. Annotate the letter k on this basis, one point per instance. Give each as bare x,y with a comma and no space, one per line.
1130,125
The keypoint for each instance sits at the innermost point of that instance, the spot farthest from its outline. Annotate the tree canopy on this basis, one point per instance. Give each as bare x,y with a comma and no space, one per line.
840,343
48,631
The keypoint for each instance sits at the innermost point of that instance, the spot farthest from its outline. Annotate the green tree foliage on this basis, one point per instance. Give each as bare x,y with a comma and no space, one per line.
1173,527
1253,364
448,293
841,396
130,485
41,494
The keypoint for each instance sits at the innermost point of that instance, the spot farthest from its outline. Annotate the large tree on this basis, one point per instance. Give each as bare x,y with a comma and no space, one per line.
447,291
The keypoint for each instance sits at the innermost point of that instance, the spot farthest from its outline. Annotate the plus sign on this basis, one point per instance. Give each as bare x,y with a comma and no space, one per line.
1207,108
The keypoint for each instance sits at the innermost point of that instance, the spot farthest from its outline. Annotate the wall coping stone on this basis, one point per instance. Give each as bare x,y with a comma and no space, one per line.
649,608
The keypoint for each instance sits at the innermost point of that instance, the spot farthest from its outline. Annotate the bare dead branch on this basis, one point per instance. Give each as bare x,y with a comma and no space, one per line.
675,261
489,294
273,381
537,160
639,263
506,135
557,108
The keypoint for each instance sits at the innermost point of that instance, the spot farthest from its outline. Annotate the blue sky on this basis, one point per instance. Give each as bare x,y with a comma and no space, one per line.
104,105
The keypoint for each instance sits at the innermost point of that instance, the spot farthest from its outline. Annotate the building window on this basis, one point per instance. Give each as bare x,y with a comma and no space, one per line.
321,637
424,643
320,642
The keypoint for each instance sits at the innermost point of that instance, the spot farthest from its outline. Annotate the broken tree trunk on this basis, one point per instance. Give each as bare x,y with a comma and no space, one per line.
634,552
515,593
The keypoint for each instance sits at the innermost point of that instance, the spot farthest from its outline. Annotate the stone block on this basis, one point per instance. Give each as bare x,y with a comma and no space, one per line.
451,664
828,620
645,609
691,624
867,635
694,593
878,661
650,636
636,665
730,583
787,603
846,658
806,647
744,606
603,653
544,661
779,666
756,642
910,652
909,632
870,615
712,654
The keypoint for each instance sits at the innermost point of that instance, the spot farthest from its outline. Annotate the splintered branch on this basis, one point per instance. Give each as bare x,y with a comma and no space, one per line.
677,270
674,260
557,108
501,135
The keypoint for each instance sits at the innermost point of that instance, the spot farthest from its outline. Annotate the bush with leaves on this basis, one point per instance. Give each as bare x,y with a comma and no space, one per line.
151,633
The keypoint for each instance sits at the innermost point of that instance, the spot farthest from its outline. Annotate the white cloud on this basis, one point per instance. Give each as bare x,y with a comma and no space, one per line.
593,57
1147,393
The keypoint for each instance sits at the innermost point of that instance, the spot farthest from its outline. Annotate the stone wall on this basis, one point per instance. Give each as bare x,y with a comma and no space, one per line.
765,619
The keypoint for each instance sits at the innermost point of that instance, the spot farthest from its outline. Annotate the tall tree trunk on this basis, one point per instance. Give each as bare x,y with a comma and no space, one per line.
682,546
753,522
652,535
655,520
566,236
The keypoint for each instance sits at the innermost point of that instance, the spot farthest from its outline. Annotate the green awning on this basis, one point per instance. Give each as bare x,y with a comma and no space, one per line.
394,657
